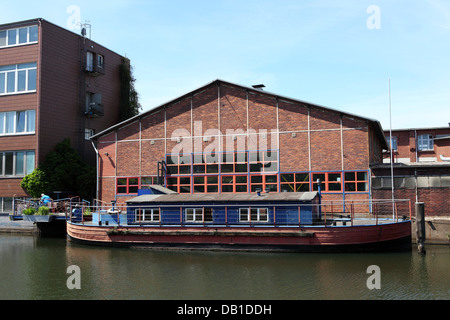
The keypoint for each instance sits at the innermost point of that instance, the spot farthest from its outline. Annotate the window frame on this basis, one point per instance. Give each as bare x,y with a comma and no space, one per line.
127,186
251,212
30,30
12,164
140,215
427,139
198,215
10,78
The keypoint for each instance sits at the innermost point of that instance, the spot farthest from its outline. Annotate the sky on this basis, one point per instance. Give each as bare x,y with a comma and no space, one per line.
338,54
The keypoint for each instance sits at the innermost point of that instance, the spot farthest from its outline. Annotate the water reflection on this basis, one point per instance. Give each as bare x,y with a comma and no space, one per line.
37,269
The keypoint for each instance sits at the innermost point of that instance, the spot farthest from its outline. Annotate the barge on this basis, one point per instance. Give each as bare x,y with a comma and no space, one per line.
279,222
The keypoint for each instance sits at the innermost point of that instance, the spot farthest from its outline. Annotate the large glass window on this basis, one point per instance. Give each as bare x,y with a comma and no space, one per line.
18,78
17,122
16,163
18,36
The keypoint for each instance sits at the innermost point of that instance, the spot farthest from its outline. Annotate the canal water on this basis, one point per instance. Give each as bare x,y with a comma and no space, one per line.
37,268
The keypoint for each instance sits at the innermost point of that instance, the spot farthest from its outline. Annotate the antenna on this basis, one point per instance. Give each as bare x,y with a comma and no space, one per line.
85,26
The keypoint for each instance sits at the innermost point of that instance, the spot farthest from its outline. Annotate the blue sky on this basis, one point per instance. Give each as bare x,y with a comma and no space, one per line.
338,54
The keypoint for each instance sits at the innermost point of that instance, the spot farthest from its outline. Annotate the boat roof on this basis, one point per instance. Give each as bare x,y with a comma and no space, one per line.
208,197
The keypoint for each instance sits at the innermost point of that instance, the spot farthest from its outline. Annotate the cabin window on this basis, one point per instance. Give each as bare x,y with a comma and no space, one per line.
253,215
146,215
199,215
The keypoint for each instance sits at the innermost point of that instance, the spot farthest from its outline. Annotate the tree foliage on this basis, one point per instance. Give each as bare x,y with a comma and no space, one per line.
129,98
35,183
62,170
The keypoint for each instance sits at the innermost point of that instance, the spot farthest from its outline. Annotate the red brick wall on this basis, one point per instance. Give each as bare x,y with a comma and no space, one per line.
435,199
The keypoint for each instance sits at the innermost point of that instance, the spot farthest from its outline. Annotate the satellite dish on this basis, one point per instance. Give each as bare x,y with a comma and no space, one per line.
83,32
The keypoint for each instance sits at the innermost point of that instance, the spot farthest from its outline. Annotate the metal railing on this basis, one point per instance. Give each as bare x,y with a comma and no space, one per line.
328,214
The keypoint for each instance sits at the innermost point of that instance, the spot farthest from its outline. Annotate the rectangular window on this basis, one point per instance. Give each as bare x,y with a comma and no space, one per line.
264,183
9,163
147,215
148,181
17,122
88,133
356,181
16,163
29,162
253,215
394,142
10,81
100,61
12,37
20,78
330,182
127,185
2,83
2,39
194,215
18,36
425,142
89,61
33,33
20,121
31,120
23,35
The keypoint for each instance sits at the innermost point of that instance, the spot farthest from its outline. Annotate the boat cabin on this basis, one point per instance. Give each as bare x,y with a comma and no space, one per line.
255,209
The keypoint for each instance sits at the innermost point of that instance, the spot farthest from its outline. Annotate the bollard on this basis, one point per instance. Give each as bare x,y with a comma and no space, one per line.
420,226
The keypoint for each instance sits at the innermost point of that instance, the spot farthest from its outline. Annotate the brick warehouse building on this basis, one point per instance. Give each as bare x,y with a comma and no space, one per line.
421,168
224,137
54,84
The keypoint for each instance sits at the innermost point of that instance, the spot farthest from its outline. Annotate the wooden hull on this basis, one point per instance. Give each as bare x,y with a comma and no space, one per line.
369,238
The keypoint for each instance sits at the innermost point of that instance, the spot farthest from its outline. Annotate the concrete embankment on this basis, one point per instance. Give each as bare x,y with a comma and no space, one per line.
17,226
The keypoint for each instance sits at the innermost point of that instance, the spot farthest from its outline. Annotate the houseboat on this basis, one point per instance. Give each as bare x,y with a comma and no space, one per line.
282,222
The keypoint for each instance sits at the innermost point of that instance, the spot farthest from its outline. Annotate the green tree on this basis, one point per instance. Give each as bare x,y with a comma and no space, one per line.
129,98
62,170
35,183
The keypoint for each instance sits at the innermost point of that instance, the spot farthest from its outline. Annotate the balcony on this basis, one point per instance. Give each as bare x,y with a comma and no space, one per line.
94,110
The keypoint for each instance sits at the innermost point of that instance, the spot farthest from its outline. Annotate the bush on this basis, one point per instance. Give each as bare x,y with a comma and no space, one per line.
43,211
29,211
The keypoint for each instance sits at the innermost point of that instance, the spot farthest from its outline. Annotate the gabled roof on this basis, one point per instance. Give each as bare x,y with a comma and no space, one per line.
376,124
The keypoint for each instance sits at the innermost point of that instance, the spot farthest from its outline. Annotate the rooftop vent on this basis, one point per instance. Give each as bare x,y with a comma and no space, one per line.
259,86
